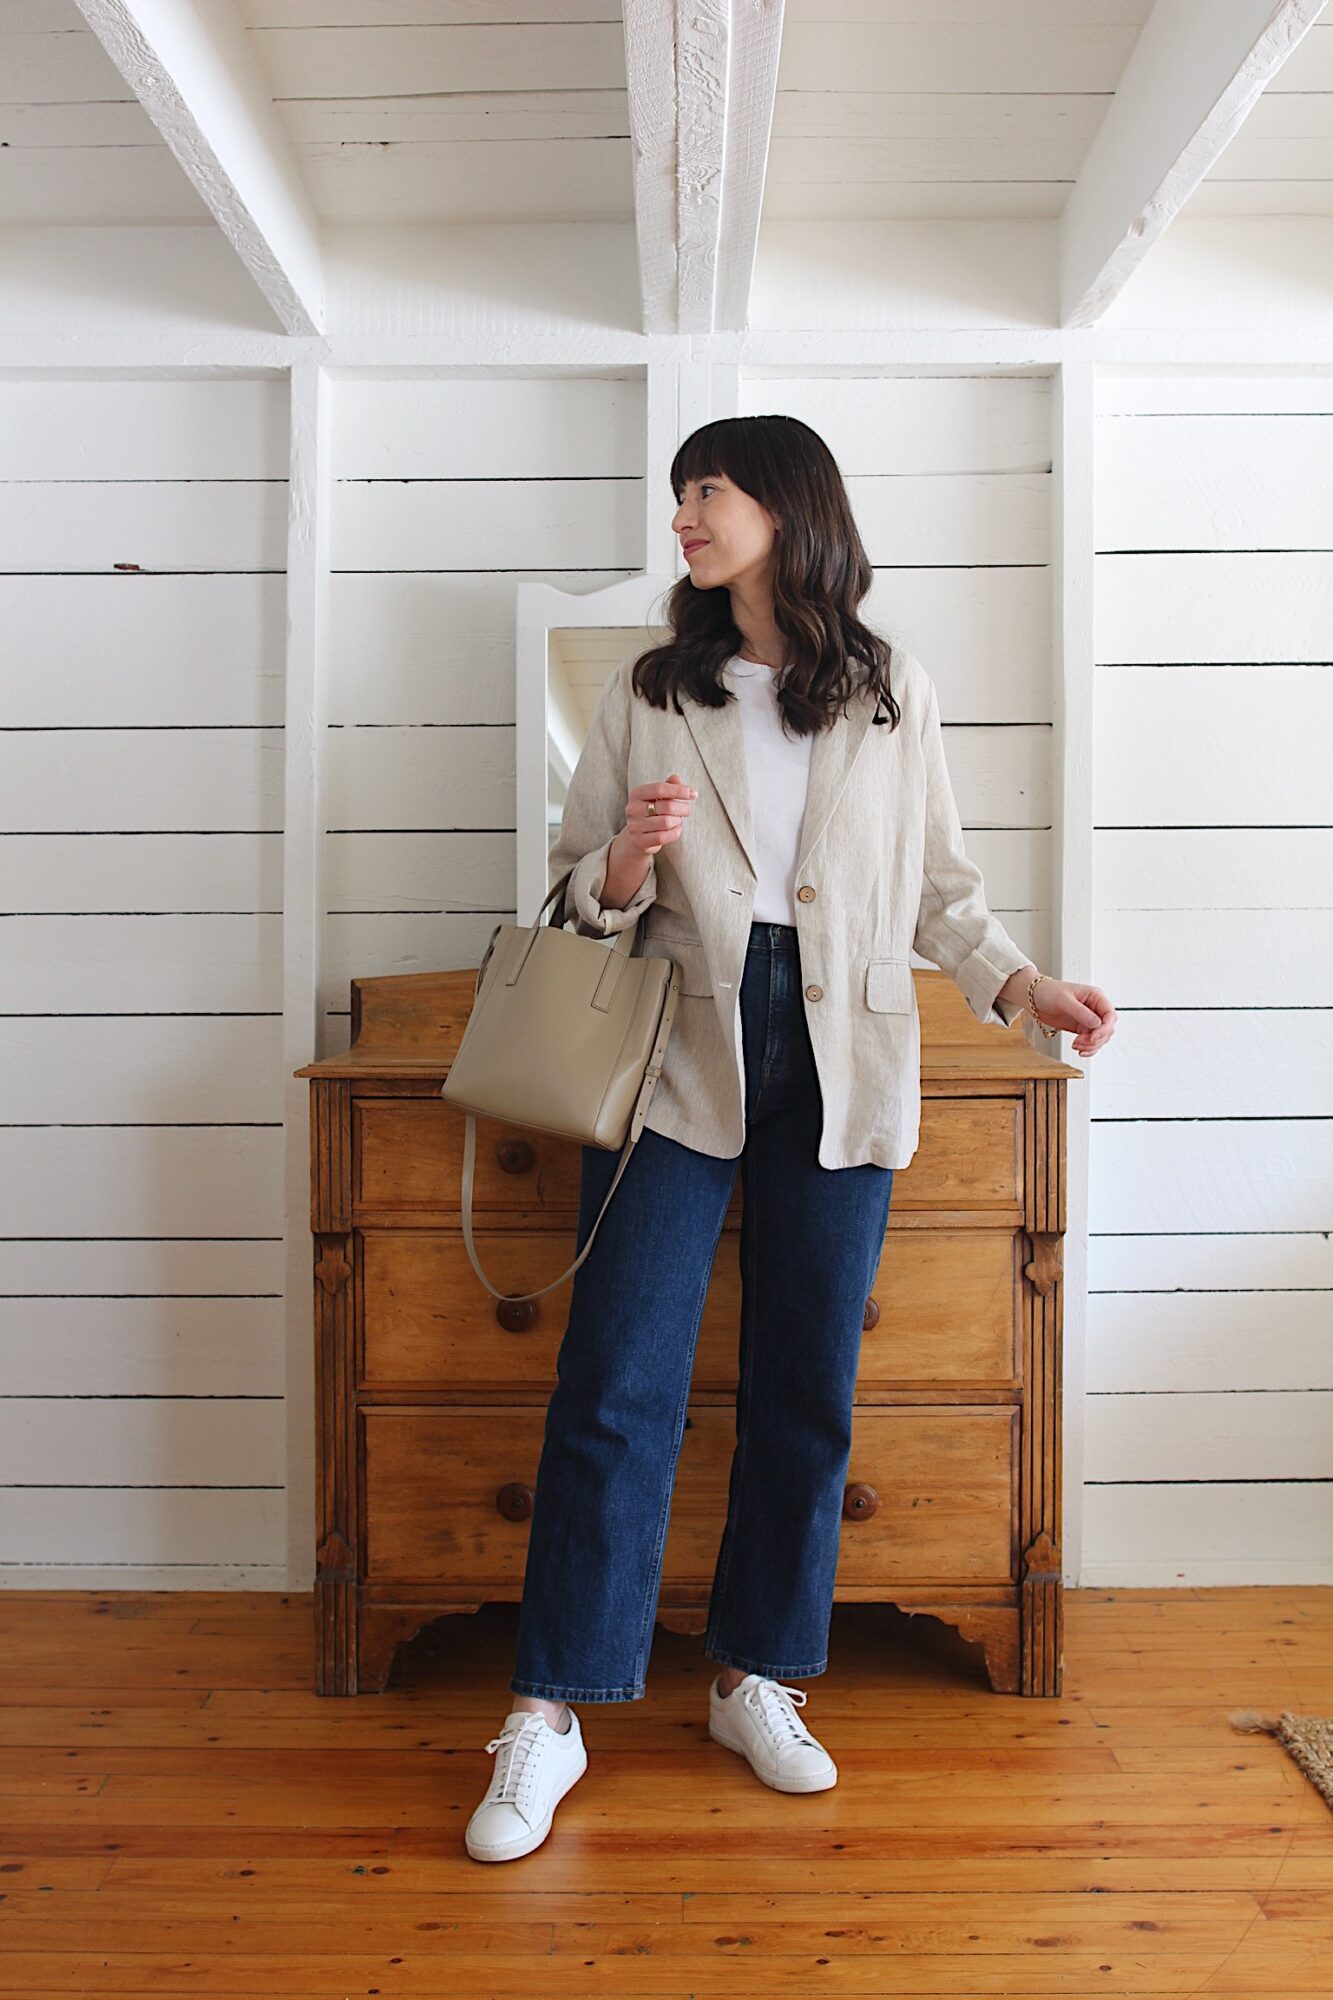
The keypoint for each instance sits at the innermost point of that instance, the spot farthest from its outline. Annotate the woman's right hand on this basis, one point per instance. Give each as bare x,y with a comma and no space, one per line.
645,832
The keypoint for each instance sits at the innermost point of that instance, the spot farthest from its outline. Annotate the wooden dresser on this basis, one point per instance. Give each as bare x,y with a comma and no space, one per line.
431,1394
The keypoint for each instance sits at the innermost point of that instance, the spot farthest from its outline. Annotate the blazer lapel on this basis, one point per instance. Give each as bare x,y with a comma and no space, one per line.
719,735
832,755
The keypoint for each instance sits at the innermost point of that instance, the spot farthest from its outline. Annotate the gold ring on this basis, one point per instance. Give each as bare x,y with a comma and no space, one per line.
651,806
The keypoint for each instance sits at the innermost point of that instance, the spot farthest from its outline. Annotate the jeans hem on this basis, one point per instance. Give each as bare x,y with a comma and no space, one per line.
764,1667
548,1691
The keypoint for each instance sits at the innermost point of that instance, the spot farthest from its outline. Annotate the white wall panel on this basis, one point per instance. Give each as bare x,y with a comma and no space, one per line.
145,1347
1126,1266
528,524
1243,871
146,628
136,428
141,772
126,1537
1155,607
1208,1176
1232,746
212,1181
1272,1434
145,780
185,1069
1210,482
185,964
1199,957
389,777
168,525
157,873
1243,1062
1162,1344
148,1268
1216,1532
1212,1166
431,873
124,1441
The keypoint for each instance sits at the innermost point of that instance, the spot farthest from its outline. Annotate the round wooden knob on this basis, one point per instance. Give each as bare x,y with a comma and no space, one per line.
514,1501
514,1156
859,1501
870,1317
516,1315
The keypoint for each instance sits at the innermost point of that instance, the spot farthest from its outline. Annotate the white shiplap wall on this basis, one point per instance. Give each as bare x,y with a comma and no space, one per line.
142,1261
1209,1418
448,492
142,1343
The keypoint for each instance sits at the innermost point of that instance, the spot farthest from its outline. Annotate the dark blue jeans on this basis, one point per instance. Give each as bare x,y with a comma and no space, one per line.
810,1244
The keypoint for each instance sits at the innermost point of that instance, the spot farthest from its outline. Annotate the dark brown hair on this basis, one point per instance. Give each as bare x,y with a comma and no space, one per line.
822,574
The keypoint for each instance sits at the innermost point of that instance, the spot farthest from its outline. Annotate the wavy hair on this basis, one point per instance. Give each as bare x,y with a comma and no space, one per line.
822,574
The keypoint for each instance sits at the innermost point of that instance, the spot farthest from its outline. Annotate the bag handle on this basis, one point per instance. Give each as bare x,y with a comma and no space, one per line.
622,943
639,1114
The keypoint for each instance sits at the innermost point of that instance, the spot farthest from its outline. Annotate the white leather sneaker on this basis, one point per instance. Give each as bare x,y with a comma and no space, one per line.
757,1719
535,1766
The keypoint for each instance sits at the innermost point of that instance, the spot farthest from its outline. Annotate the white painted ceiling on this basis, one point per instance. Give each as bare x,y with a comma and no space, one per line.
943,108
79,147
437,110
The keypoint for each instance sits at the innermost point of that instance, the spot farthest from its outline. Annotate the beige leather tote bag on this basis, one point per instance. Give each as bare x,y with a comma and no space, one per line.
566,1035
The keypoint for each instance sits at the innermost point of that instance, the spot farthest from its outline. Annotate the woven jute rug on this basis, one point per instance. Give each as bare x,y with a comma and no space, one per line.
1307,1738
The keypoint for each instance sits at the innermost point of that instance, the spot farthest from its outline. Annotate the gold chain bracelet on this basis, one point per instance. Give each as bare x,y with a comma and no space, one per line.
1050,1033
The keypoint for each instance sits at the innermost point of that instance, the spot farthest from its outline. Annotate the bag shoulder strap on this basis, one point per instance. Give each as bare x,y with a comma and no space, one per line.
640,1112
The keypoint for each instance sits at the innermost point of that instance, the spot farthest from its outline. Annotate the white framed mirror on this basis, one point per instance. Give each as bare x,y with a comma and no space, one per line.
567,645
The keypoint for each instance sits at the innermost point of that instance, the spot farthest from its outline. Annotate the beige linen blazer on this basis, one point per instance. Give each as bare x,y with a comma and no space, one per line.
883,871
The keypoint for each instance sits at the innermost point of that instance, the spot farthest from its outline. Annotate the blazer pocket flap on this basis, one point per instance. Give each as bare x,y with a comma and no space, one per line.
692,959
889,985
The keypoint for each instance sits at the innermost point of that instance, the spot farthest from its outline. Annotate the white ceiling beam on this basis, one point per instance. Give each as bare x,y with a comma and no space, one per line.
752,88
703,83
188,63
702,80
1196,72
650,75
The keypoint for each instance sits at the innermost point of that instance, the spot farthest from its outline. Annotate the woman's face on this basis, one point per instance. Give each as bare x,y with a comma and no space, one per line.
725,535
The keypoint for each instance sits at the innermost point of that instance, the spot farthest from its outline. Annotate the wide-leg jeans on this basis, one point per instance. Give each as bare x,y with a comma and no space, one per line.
810,1245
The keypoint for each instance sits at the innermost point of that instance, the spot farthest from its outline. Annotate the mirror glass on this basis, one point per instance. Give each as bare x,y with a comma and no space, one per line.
580,658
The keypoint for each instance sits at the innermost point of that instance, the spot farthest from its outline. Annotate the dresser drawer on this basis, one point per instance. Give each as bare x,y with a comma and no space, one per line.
407,1152
944,1309
969,1156
939,1484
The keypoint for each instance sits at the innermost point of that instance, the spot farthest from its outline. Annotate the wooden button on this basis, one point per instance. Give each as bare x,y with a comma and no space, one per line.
814,992
805,894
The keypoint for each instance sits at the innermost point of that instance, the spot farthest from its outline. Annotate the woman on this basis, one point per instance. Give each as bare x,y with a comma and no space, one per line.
733,793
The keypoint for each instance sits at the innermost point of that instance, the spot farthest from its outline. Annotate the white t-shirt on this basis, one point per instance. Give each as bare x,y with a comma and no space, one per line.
778,768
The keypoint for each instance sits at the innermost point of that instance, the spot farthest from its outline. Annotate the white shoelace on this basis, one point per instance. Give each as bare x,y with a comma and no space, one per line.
514,1763
772,1703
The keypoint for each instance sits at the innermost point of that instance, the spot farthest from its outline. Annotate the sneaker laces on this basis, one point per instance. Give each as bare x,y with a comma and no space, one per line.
514,1763
772,1702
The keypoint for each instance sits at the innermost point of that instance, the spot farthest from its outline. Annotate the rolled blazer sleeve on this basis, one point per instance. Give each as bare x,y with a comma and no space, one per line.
594,814
954,928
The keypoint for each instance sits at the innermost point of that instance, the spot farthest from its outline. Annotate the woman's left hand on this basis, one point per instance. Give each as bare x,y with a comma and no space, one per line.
1083,1011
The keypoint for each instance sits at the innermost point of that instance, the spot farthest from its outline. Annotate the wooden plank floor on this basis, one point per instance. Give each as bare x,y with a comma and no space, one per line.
181,1815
